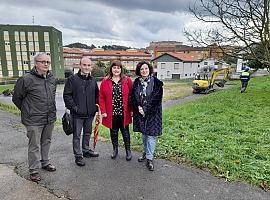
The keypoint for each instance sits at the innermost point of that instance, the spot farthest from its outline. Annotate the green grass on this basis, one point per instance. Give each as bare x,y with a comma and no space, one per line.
226,132
4,87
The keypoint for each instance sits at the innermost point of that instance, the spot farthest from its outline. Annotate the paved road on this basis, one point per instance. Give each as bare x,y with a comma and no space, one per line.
104,178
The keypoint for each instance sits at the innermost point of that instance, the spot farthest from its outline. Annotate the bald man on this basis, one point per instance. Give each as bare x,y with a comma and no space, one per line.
81,96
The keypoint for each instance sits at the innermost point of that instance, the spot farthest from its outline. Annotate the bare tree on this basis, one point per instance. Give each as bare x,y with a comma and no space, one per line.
240,23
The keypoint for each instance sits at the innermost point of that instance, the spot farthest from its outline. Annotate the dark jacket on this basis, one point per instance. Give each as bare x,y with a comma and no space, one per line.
151,124
34,95
81,95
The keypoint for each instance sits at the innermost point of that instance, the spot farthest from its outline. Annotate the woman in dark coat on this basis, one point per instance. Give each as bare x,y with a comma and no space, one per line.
146,99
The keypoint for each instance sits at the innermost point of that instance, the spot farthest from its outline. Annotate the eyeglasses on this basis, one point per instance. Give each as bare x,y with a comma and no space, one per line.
44,62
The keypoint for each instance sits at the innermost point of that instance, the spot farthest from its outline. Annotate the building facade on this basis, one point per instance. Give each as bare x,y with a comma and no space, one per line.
20,43
176,66
128,58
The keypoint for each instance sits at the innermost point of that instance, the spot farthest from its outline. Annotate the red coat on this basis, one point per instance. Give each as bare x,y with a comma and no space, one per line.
105,100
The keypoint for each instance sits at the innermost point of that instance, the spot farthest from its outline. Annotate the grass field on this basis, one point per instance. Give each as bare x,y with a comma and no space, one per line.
226,132
174,91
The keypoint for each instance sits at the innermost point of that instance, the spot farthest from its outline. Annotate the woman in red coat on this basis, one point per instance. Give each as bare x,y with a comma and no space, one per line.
115,109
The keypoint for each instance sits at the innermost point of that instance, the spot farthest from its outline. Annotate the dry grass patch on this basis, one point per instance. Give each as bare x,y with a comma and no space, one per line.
174,91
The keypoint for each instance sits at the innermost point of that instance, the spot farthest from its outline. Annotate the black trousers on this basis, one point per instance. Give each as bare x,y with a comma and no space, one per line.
118,123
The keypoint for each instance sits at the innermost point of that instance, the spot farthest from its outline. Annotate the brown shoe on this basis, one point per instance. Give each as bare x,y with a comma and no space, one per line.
35,177
49,168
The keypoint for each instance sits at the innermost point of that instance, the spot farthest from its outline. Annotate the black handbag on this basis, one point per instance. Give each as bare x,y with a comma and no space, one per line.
67,123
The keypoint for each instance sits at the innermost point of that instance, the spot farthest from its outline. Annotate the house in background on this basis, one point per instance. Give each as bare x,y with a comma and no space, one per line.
209,63
176,66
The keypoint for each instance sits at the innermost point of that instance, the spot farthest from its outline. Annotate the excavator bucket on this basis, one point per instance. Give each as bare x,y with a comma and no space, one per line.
221,83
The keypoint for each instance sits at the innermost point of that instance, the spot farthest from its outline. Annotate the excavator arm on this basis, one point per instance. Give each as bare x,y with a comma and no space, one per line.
226,72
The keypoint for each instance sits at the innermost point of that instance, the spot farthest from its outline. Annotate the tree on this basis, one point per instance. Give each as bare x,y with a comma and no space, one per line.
243,24
100,64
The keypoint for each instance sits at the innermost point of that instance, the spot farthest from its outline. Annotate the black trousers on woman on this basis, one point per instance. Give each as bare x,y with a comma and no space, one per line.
118,123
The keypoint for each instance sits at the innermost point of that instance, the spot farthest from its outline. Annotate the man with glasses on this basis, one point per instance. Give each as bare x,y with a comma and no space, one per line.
34,95
81,96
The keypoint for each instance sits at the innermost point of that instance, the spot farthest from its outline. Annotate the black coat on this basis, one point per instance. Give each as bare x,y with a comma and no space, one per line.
151,124
81,95
34,95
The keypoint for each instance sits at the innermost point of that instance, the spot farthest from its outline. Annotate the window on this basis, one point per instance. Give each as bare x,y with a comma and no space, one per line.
176,65
185,74
163,65
35,36
161,76
46,36
168,73
205,63
30,36
22,36
6,36
16,33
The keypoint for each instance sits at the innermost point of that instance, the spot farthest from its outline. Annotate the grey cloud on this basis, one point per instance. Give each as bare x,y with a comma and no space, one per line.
130,22
152,5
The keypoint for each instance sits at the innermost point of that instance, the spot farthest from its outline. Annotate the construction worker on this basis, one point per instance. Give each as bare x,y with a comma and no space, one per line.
245,76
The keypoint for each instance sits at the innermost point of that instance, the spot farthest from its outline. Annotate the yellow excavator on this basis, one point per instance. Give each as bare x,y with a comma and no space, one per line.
203,85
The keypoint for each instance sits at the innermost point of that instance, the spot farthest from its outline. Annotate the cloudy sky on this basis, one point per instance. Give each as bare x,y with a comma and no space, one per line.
132,23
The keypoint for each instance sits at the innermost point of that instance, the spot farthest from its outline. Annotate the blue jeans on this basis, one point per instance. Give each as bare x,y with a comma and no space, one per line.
149,145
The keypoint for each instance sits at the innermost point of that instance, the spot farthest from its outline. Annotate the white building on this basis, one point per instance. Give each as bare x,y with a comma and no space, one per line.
176,66
209,63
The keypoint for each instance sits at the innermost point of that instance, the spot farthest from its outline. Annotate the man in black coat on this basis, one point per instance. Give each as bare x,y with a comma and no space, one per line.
81,96
34,95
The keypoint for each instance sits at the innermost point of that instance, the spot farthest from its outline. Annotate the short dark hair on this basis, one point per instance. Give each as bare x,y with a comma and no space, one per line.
139,65
116,63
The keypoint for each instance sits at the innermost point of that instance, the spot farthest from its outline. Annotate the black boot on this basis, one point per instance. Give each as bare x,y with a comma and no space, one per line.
142,158
114,138
126,138
150,165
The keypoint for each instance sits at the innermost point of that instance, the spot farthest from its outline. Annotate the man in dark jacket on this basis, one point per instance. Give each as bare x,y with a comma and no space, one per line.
81,96
34,95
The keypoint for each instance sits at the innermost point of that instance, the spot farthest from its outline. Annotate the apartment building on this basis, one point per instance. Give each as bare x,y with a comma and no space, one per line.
129,58
20,43
72,57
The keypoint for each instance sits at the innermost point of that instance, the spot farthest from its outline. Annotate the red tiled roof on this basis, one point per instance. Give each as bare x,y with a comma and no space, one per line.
180,56
116,53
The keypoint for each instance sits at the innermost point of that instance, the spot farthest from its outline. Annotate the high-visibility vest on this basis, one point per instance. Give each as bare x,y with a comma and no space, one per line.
244,76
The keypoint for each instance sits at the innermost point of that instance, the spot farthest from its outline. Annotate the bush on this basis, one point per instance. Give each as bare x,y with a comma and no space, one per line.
8,92
97,72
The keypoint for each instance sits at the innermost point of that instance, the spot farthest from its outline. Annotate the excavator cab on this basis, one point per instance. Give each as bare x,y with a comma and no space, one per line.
202,83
